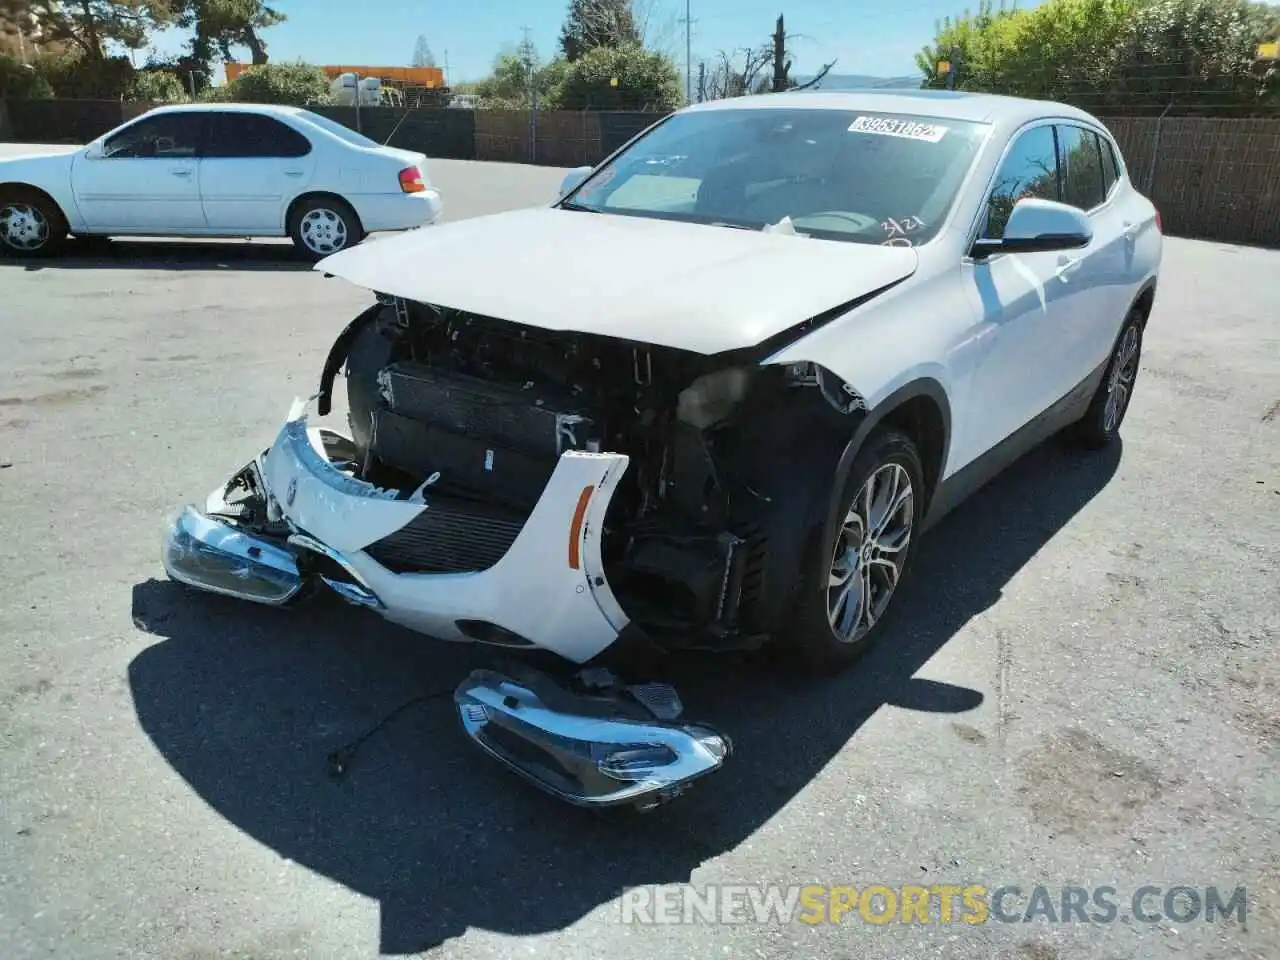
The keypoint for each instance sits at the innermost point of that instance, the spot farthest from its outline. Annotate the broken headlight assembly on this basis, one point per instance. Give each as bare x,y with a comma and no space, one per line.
713,397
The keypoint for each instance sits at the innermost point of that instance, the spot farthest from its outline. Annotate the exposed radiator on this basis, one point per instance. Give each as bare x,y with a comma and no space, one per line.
450,536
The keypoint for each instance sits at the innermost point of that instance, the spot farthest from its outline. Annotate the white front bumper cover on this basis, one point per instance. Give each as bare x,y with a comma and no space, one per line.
549,588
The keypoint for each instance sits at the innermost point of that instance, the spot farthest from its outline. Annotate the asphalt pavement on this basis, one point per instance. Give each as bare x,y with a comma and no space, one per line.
1082,686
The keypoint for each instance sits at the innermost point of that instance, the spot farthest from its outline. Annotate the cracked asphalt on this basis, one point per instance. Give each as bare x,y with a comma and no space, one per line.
1081,687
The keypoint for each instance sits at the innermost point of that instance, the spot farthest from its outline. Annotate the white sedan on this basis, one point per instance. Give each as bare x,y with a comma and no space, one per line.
727,381
217,170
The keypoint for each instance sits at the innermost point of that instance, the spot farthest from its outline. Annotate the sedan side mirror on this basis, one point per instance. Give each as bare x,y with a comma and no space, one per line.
573,179
1037,225
94,151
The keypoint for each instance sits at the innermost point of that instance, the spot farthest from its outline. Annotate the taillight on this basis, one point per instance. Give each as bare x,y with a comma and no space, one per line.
1159,222
411,180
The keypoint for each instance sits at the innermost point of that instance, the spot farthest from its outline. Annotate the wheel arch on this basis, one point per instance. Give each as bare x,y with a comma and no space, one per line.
1144,301
292,210
11,187
920,409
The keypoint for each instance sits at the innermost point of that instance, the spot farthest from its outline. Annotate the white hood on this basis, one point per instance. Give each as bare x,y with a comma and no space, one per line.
693,287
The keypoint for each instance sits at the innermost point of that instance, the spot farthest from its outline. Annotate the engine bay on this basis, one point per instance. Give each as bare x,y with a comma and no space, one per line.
704,534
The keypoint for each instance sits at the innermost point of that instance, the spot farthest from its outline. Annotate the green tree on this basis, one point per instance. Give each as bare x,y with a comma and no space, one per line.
90,26
422,55
1112,54
298,84
597,23
156,86
22,81
618,78
219,25
516,73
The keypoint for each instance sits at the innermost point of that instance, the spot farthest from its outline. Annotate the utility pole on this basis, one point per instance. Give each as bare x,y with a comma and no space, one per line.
779,57
530,68
446,66
688,53
702,81
955,68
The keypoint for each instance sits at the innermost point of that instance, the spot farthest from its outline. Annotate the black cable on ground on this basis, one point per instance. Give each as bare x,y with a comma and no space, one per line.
339,760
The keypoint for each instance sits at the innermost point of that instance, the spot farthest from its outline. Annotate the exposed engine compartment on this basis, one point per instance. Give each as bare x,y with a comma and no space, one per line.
730,460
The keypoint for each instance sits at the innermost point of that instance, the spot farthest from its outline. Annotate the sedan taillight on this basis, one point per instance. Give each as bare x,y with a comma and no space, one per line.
1159,222
411,180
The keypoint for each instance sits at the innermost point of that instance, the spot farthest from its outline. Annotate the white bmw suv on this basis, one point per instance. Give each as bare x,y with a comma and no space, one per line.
715,396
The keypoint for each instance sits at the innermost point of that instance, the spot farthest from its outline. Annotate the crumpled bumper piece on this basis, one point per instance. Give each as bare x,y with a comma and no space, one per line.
215,556
591,751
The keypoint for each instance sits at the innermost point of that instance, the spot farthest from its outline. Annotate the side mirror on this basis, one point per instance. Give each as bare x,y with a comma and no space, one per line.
94,151
1039,225
573,179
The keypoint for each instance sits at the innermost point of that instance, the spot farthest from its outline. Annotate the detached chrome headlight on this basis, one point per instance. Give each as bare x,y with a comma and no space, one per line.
713,397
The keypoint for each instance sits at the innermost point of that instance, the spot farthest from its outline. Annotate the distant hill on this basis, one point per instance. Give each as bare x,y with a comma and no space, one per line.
859,81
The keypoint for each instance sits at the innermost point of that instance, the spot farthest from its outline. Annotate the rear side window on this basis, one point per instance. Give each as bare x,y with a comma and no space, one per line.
251,135
1110,164
164,137
1081,163
1030,169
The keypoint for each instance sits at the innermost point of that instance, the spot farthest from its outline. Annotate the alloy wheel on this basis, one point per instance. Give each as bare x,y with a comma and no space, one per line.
1124,370
870,552
323,231
23,227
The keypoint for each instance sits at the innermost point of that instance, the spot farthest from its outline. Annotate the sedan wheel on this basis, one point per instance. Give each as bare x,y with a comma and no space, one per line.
25,229
324,226
323,232
870,551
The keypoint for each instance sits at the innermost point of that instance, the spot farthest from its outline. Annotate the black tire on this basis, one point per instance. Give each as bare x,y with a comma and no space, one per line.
321,226
1101,424
31,225
814,639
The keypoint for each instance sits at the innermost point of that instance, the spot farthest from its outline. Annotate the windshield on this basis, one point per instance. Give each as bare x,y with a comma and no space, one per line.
833,174
337,129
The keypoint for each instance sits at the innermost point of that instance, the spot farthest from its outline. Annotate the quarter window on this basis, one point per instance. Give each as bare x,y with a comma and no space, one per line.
1081,163
236,134
1110,165
167,136
1030,169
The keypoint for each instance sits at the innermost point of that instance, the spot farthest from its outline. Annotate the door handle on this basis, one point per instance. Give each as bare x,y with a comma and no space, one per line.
293,173
1067,266
180,172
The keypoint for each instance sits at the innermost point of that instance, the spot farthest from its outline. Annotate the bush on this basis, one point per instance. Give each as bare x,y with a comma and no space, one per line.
297,84
156,86
21,82
645,81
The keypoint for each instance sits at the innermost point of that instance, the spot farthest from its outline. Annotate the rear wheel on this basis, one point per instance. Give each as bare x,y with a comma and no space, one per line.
1101,424
31,225
321,226
852,578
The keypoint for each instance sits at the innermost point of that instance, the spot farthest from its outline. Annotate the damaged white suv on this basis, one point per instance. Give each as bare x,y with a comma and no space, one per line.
711,398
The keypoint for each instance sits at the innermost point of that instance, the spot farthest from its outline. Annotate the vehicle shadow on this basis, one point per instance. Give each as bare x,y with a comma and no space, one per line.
247,703
103,254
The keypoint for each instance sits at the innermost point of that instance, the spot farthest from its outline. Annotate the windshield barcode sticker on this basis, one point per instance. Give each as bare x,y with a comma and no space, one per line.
932,132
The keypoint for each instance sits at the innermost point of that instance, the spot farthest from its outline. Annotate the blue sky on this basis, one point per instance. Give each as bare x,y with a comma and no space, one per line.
866,36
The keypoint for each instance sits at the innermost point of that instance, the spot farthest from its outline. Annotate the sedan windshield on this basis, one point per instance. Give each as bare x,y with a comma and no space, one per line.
833,174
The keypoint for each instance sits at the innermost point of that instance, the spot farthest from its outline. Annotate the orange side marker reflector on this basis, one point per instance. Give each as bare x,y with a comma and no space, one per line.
575,529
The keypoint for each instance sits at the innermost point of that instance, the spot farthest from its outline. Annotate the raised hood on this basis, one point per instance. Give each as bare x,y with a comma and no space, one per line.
693,287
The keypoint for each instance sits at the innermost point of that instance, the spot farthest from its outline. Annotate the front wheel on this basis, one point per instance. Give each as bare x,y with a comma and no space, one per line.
31,225
851,578
322,226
